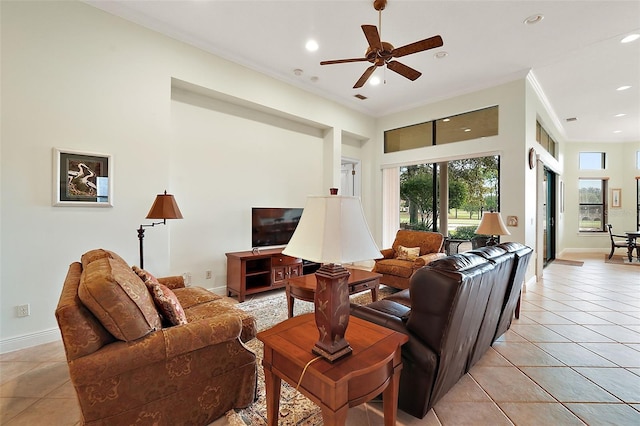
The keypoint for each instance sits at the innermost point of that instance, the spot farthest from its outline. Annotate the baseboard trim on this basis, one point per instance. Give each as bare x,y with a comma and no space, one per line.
29,340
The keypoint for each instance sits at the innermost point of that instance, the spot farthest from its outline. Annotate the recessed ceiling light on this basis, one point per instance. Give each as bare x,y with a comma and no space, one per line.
620,115
467,130
441,55
314,79
617,131
621,88
374,81
533,19
311,45
446,119
630,38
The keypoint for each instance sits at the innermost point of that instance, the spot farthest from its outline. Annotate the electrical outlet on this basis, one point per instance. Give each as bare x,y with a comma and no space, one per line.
23,310
207,275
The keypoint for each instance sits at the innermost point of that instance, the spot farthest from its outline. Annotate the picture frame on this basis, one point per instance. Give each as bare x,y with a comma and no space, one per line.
616,198
82,179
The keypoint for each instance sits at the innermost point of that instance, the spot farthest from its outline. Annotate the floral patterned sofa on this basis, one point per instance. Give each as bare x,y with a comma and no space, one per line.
130,365
410,251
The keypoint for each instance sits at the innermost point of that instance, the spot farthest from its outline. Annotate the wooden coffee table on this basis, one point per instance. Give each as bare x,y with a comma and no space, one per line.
304,287
372,368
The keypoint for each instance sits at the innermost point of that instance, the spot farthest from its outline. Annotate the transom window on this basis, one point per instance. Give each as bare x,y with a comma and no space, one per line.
592,160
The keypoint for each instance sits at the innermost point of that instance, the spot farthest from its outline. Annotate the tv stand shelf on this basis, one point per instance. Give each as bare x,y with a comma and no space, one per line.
251,272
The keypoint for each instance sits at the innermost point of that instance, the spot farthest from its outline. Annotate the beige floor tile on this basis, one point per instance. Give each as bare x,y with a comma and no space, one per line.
580,317
11,407
537,333
509,384
471,413
556,380
525,354
53,351
11,369
38,381
539,413
618,381
466,390
606,414
492,358
620,354
575,355
579,333
46,412
616,332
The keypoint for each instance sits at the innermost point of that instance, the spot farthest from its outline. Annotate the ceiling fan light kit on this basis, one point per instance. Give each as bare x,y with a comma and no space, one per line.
381,53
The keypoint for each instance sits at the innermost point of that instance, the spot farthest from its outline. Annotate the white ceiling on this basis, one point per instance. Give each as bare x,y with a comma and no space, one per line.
574,53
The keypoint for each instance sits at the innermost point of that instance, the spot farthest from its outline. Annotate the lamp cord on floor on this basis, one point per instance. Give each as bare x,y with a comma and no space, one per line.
304,370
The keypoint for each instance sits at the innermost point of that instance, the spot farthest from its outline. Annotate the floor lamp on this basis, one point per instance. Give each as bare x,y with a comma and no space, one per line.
164,207
332,231
492,224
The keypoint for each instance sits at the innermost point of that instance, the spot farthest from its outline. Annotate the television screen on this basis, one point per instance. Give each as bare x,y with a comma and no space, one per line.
273,226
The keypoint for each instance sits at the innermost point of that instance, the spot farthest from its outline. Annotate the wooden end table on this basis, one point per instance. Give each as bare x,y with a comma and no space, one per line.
304,287
373,367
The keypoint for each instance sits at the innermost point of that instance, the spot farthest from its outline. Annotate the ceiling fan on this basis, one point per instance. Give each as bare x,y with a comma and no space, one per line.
381,53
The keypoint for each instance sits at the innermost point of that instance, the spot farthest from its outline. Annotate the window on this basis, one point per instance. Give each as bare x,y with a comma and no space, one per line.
638,197
544,139
461,127
592,160
470,125
592,196
638,160
416,136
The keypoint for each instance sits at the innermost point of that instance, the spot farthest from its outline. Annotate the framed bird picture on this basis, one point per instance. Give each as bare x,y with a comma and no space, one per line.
82,179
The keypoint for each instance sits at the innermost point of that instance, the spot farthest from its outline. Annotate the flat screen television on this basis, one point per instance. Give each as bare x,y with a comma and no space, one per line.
273,226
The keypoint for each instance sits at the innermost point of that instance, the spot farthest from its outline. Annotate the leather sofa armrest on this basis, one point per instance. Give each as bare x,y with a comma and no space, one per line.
189,337
173,282
388,253
421,261
393,318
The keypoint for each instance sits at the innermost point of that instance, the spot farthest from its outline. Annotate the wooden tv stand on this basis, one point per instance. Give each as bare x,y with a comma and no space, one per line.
256,271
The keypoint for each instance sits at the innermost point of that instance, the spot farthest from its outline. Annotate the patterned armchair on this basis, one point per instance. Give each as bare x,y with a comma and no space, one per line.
410,251
128,366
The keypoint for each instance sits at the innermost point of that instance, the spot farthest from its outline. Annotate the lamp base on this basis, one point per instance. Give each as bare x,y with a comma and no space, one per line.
332,312
492,241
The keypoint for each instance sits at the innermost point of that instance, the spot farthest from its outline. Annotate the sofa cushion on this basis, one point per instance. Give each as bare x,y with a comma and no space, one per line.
193,296
118,298
96,254
408,253
396,267
167,303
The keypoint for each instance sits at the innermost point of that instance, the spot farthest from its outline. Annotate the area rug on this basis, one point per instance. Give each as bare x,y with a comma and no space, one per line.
568,262
295,408
621,260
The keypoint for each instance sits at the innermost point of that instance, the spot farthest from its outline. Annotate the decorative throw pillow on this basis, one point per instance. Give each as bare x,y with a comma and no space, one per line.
167,303
145,276
408,253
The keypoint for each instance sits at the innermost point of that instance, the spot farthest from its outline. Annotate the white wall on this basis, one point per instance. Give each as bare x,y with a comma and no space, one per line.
78,78
621,170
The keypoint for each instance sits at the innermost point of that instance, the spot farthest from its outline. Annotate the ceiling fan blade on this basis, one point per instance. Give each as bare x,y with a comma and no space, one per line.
343,61
363,79
404,70
372,35
418,46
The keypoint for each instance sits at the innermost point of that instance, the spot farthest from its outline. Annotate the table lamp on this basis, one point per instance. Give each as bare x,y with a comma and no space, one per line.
332,231
492,224
164,207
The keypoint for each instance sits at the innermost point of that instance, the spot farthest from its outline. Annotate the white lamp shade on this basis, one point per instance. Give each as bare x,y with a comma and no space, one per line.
492,224
333,229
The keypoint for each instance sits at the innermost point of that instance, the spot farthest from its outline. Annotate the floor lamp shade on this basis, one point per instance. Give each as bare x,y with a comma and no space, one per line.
332,231
164,207
492,224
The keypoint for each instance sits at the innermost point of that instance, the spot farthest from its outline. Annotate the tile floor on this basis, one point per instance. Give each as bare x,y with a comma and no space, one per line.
573,357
